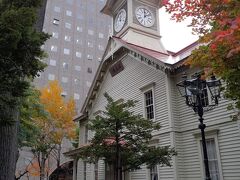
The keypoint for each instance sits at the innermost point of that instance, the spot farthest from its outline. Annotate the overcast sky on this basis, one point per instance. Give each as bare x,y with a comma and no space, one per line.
175,36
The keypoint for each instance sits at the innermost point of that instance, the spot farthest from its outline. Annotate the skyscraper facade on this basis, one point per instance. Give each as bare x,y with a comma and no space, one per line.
79,36
79,33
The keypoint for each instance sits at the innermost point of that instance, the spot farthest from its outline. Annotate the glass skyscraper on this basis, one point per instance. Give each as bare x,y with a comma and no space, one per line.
79,36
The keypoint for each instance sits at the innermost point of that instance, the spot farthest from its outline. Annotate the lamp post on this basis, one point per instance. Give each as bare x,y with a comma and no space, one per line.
202,95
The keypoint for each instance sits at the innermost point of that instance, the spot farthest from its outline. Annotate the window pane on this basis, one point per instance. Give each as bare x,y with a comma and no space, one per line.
212,159
153,173
149,105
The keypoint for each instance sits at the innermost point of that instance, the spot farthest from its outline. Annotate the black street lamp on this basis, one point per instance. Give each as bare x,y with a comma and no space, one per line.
201,95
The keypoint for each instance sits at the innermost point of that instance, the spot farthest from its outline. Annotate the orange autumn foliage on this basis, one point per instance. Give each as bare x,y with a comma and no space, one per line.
61,112
218,24
34,169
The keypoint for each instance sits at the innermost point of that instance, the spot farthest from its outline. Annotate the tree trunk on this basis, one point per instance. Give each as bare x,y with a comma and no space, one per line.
58,159
42,166
8,144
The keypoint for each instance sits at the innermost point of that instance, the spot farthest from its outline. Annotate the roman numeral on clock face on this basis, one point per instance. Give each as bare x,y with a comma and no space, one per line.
144,16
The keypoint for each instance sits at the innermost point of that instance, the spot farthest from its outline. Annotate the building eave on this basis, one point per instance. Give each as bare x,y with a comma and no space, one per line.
74,152
107,9
151,60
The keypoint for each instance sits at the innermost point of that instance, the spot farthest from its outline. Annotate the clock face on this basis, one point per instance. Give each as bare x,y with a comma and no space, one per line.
120,20
144,16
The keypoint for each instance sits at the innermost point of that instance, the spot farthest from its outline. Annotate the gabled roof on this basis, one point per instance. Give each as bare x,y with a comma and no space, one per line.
154,54
159,60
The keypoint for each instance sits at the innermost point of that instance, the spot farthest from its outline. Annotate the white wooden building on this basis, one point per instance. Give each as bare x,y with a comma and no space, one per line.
136,65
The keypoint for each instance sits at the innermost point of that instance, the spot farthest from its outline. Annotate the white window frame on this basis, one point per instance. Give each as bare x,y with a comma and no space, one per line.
153,143
149,172
209,134
145,89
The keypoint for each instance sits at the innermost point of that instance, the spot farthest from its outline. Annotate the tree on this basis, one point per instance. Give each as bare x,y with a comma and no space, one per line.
122,139
20,54
35,132
46,118
61,114
218,24
30,132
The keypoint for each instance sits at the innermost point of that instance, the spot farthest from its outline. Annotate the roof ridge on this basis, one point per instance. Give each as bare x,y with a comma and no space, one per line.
140,46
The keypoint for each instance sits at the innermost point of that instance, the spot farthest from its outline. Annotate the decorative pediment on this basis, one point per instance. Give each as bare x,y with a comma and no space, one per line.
111,47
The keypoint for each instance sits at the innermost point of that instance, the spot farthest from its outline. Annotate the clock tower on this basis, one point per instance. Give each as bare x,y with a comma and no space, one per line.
136,22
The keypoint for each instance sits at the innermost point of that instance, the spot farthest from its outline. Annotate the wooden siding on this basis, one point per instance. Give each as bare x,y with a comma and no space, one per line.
127,85
179,123
186,122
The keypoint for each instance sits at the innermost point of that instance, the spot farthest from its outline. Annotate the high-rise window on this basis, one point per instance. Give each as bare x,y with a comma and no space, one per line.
57,9
100,47
101,35
67,38
78,68
76,96
78,41
70,1
79,29
52,62
64,79
76,81
54,48
89,70
56,21
55,35
66,51
90,44
90,32
78,54
65,66
88,84
64,94
90,57
69,13
51,77
68,25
